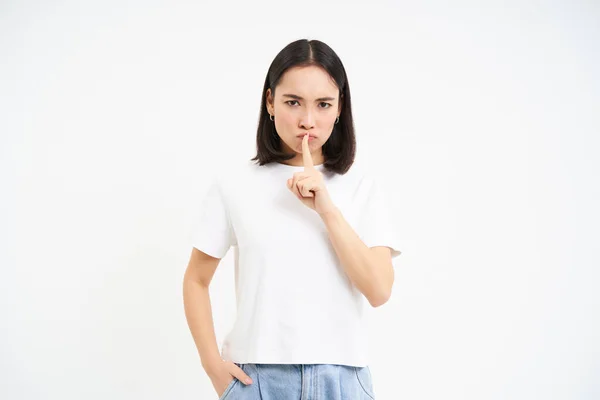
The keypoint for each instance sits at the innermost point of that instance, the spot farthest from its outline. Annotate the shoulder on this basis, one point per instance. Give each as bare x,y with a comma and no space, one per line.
374,182
363,175
235,174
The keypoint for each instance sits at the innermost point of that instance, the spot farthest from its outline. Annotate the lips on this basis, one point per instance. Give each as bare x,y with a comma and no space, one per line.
310,135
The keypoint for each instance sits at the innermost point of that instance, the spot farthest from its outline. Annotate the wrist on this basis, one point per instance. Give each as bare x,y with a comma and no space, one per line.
330,213
211,364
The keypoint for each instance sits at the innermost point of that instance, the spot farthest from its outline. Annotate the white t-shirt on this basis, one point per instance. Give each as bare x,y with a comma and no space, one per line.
295,303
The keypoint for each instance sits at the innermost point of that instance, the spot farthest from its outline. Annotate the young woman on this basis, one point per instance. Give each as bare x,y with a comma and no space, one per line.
313,240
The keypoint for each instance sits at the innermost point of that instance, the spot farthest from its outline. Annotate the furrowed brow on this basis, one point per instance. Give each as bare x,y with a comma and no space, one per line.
296,97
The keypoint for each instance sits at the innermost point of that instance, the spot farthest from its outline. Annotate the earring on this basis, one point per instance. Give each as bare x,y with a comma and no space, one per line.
271,117
337,120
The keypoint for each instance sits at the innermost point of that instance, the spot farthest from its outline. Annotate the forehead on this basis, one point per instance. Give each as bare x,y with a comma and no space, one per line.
308,82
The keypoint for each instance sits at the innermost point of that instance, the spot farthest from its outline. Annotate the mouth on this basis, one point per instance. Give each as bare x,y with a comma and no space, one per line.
310,136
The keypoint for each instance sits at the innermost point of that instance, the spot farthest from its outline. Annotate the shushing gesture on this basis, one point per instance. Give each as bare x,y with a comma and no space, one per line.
309,185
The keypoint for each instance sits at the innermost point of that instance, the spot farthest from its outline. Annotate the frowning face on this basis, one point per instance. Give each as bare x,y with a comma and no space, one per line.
306,101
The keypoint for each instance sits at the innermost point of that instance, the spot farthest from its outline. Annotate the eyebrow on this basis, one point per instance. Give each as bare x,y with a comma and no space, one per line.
293,96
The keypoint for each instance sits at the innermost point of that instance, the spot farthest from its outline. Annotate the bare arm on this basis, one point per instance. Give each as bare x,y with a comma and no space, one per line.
370,269
198,310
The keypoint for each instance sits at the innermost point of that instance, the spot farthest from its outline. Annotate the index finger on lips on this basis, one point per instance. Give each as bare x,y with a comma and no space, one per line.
306,156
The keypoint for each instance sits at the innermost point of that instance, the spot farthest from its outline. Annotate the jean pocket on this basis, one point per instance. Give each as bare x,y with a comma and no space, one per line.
232,384
363,375
229,388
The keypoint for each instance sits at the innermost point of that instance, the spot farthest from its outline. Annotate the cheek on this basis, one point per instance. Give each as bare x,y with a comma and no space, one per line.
286,119
324,139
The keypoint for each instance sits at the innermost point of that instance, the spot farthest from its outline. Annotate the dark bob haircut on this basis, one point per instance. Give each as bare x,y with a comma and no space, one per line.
340,149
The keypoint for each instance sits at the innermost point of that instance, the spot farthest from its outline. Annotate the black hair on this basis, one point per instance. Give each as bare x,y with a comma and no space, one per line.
340,149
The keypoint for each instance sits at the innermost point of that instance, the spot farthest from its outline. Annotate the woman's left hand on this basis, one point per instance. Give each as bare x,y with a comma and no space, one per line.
309,186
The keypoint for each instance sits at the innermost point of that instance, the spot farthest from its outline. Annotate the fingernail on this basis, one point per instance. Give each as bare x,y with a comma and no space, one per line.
248,381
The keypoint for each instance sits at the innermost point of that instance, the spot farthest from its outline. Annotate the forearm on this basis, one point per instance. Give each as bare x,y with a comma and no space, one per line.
198,313
358,261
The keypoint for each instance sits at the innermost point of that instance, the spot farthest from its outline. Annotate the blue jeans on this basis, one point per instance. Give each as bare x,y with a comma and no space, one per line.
302,382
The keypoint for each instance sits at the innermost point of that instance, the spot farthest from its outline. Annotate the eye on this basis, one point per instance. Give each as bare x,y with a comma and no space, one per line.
296,101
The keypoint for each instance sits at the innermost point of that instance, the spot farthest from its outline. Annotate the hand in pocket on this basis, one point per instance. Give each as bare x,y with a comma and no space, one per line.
223,373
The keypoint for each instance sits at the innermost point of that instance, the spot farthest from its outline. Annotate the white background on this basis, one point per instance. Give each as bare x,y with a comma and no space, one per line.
482,116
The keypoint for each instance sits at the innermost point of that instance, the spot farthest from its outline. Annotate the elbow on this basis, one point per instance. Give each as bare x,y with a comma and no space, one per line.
381,283
380,298
381,293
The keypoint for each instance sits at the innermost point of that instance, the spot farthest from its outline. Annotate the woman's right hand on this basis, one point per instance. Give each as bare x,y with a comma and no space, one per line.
222,372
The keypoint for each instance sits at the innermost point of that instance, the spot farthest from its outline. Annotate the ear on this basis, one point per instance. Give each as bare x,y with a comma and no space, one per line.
269,100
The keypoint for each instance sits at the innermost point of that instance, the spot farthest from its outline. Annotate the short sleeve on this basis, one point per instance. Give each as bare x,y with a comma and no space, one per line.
212,232
377,225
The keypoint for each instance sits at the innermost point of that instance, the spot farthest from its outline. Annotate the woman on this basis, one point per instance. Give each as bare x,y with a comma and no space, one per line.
312,237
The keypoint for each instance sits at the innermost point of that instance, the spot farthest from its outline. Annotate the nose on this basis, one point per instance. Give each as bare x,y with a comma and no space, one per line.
308,120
